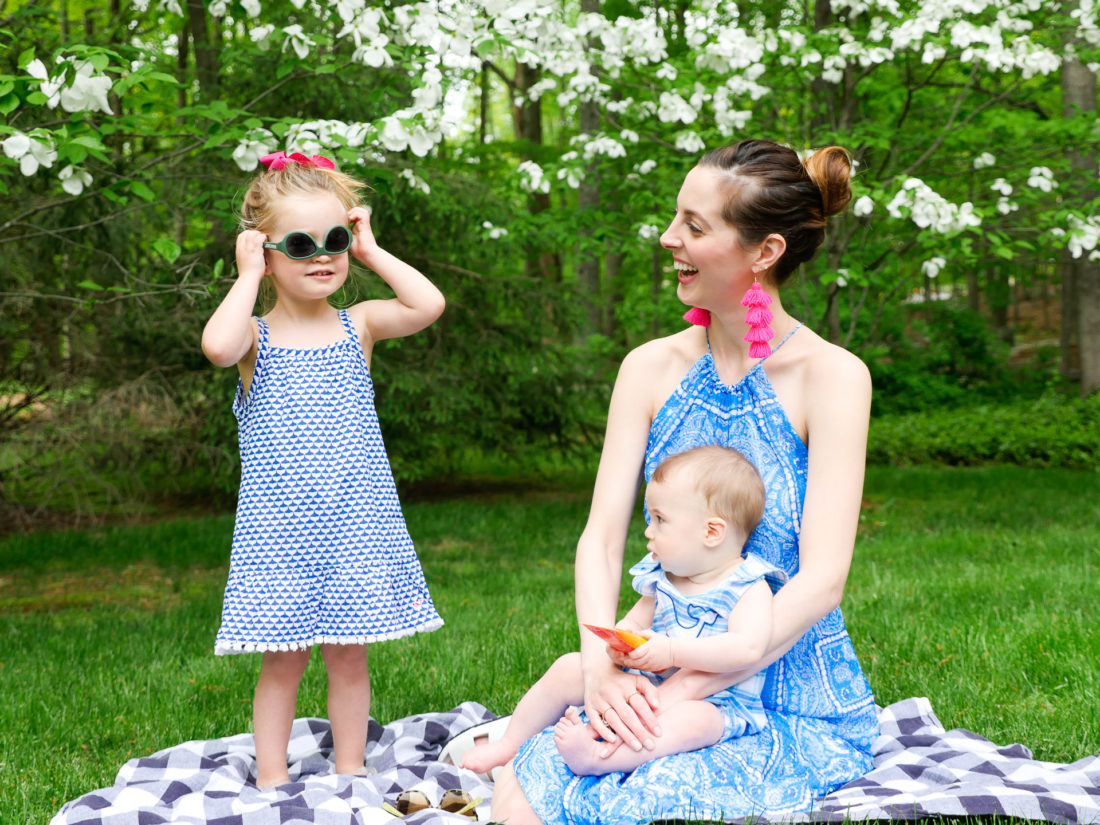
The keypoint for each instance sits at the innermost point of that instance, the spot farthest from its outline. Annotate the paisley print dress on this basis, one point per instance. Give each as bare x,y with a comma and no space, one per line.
821,713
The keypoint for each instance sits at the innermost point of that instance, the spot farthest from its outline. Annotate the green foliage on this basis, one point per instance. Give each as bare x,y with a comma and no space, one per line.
996,629
942,354
1050,431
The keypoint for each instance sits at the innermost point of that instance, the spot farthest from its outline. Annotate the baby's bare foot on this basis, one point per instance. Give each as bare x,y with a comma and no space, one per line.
483,758
579,746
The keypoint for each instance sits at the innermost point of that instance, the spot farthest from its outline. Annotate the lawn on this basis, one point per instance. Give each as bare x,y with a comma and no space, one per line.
974,587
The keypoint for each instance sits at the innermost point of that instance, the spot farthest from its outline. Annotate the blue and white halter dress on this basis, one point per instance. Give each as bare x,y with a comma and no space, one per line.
694,616
320,549
821,714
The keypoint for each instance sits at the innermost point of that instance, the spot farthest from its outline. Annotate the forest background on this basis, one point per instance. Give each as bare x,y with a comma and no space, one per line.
526,154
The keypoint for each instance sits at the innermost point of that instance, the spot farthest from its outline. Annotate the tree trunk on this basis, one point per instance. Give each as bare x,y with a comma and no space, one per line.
1081,276
206,56
527,120
588,203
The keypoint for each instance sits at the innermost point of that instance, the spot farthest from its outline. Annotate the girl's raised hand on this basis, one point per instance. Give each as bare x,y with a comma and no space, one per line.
362,237
251,262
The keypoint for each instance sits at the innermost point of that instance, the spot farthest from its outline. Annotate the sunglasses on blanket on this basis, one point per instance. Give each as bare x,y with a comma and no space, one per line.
455,801
299,245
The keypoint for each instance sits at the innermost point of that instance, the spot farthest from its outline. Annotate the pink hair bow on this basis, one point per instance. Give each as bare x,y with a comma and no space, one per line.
278,160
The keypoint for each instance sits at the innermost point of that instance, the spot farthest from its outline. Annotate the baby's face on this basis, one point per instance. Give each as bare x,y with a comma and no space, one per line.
678,526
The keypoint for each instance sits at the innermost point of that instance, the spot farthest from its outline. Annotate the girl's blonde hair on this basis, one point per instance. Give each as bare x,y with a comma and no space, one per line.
259,206
727,480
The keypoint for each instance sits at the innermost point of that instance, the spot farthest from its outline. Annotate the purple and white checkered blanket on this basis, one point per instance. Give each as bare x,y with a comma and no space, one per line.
920,770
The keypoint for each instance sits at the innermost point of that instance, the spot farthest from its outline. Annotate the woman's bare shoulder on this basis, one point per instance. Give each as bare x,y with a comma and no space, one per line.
651,372
681,349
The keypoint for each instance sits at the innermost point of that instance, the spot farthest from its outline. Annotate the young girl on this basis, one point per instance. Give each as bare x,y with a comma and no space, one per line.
320,554
703,606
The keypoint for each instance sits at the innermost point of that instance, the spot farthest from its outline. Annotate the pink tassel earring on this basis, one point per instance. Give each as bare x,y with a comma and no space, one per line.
759,318
698,316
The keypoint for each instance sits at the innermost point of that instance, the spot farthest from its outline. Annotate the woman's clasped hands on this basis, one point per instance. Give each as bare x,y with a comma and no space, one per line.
622,708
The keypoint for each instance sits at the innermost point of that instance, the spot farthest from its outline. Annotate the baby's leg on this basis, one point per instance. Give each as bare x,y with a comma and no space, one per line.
348,704
273,713
542,705
685,727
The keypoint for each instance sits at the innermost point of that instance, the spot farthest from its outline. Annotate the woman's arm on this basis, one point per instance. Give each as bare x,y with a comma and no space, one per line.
599,560
838,408
416,302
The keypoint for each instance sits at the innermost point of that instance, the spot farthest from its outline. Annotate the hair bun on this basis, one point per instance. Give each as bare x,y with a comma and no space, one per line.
831,169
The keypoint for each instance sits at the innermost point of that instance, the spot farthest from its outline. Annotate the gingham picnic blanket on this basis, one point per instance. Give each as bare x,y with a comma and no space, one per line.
920,770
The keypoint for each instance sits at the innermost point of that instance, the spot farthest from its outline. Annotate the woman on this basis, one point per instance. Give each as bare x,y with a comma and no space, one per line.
748,213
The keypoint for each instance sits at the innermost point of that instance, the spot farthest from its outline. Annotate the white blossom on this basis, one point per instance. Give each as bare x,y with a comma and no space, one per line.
648,232
928,210
863,206
672,108
689,142
931,268
252,8
415,181
531,177
252,147
298,40
74,180
495,232
1002,186
984,160
1006,206
1041,178
1084,236
646,166
32,151
86,92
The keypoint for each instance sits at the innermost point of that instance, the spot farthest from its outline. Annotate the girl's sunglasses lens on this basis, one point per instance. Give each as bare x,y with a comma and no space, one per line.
300,245
337,240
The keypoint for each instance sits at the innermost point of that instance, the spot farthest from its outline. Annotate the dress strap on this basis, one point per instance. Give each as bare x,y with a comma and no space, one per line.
264,332
349,327
786,337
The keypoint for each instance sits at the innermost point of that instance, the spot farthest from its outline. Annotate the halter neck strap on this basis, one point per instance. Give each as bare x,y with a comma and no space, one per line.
706,332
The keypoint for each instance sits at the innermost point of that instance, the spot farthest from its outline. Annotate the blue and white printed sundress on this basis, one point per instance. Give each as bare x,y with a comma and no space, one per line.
682,616
821,714
320,549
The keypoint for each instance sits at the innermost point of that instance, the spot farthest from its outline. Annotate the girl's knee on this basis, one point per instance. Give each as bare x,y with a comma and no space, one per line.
345,659
285,664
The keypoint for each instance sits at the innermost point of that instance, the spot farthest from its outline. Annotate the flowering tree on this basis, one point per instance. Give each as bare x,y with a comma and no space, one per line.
518,148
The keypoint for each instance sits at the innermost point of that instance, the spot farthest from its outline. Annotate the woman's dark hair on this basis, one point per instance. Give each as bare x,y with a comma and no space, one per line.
770,189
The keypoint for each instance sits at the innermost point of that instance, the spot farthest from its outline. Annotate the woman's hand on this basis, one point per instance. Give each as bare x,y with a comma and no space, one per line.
622,709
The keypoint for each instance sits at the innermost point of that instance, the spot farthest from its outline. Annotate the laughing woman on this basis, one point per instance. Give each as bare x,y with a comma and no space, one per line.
746,217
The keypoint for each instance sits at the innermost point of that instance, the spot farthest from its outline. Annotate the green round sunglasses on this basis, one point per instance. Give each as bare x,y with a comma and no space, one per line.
299,245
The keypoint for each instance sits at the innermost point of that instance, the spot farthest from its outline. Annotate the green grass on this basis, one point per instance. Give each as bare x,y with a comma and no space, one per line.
973,587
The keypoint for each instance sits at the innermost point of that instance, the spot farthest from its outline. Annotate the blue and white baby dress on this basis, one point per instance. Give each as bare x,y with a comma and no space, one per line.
694,616
320,549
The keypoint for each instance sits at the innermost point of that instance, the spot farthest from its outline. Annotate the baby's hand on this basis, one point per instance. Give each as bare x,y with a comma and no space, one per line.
251,262
362,238
652,657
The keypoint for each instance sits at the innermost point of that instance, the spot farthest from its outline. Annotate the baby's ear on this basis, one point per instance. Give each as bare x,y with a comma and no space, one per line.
715,531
